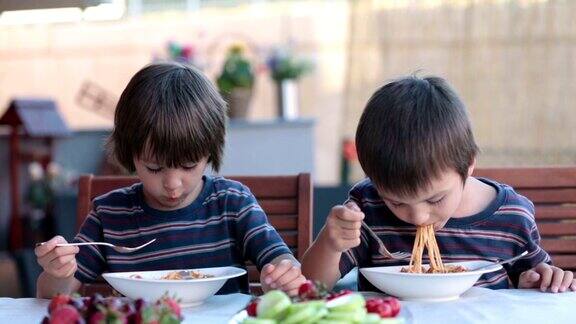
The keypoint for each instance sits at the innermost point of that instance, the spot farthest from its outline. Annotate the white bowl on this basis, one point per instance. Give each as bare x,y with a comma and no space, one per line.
425,286
191,292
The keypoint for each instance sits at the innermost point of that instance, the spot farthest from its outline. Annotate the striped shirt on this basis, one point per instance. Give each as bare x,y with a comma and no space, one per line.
504,229
224,226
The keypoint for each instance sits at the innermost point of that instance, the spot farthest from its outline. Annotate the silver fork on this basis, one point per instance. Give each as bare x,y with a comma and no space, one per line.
117,248
382,248
500,262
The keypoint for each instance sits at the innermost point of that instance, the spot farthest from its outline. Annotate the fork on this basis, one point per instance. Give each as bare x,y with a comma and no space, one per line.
500,262
382,248
117,248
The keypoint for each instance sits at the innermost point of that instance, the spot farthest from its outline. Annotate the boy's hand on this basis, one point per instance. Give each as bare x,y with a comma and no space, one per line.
285,276
545,276
59,262
342,229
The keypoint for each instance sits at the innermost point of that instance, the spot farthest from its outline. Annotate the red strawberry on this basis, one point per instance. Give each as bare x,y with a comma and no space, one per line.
308,290
174,306
395,305
385,307
342,292
58,301
65,314
97,318
251,308
372,305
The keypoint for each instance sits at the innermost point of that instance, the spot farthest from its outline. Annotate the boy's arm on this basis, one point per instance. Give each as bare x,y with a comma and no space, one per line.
341,234
321,263
47,285
65,268
536,255
59,265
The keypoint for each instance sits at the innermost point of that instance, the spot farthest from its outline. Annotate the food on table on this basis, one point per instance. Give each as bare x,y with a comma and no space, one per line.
99,310
315,305
179,275
425,238
186,275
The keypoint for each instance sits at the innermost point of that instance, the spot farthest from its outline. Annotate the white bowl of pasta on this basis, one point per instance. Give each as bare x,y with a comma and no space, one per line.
426,286
191,286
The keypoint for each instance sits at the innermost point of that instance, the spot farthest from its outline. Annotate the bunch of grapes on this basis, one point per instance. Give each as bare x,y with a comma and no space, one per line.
65,309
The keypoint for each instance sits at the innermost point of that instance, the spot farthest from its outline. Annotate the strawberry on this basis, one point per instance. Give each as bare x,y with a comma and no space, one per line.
338,294
308,290
58,301
97,318
385,307
173,305
65,314
251,308
395,305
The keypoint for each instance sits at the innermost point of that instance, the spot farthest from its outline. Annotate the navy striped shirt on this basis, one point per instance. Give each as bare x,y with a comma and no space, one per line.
504,229
224,226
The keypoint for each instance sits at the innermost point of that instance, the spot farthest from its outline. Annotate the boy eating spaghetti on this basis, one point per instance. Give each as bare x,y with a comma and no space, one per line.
416,146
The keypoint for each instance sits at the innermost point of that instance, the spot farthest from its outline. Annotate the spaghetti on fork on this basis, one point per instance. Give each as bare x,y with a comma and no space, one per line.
425,238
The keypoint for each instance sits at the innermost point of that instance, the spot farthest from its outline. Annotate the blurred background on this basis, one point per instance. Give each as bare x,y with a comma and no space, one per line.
296,75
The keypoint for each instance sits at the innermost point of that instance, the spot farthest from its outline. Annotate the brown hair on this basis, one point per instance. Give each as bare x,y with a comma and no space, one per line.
411,130
171,112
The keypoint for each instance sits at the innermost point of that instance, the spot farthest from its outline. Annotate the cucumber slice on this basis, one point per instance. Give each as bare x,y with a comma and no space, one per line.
273,305
372,319
318,316
301,312
254,320
346,303
351,316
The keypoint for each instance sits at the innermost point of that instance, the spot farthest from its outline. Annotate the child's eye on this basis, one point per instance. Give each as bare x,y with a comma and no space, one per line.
436,202
189,167
154,170
395,204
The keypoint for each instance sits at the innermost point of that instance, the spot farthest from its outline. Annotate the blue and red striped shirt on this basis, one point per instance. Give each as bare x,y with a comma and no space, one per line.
224,226
504,229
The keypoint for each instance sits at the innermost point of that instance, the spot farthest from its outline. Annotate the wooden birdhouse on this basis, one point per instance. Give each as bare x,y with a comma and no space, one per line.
29,118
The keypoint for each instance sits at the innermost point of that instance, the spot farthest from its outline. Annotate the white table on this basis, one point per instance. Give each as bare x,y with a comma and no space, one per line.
478,305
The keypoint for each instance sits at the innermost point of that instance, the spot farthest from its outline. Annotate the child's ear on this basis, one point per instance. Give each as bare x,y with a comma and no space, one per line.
471,167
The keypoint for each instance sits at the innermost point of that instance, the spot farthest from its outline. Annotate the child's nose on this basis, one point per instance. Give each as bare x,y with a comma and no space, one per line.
420,218
171,182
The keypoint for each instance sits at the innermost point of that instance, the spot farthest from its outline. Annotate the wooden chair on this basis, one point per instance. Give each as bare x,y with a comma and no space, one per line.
553,191
287,200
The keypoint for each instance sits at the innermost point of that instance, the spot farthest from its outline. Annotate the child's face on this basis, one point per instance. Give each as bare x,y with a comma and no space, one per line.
170,188
434,205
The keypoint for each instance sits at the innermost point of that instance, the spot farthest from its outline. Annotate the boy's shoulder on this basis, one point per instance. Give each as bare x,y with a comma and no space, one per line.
515,207
510,197
224,188
221,183
121,197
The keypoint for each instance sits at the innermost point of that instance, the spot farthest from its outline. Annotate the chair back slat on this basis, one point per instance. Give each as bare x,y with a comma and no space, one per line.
553,192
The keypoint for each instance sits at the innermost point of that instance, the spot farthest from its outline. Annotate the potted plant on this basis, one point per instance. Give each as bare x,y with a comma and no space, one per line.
285,70
236,82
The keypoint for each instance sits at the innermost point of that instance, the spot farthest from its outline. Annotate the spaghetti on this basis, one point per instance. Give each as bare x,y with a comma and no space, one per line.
425,238
186,275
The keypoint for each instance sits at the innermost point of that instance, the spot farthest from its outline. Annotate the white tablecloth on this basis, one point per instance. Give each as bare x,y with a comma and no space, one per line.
481,305
478,305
